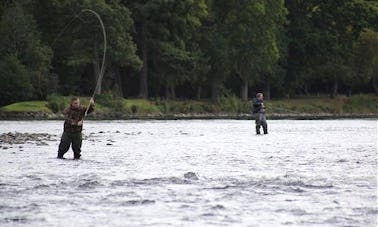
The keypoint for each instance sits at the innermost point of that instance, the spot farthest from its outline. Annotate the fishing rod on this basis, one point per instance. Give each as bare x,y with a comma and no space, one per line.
101,74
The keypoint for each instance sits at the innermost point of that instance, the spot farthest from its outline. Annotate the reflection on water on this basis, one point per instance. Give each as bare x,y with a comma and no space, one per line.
193,173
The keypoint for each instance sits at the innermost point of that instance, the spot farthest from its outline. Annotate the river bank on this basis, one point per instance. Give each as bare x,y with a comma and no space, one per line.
189,116
111,108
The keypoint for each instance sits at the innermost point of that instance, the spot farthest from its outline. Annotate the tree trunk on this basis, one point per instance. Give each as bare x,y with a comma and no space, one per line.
306,89
143,85
170,92
214,91
244,90
198,92
349,92
167,95
118,81
375,85
267,94
335,89
173,92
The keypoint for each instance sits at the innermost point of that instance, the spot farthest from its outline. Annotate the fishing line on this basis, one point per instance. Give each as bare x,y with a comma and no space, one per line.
101,74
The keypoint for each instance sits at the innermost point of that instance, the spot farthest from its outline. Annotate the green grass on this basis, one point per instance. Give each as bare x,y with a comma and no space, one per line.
140,106
357,104
29,106
306,105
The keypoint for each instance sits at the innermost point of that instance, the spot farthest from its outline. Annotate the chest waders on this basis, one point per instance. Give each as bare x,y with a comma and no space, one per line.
68,139
260,120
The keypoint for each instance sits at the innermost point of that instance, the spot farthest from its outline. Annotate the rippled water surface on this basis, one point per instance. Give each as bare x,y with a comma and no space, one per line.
193,173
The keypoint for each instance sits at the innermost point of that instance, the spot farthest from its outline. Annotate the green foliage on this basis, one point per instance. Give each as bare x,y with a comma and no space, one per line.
365,60
57,103
29,106
187,49
323,39
251,27
78,41
15,80
141,106
186,107
361,104
165,30
233,104
28,58
112,101
357,104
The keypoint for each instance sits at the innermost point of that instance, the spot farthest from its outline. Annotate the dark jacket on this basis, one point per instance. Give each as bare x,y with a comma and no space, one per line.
73,116
257,106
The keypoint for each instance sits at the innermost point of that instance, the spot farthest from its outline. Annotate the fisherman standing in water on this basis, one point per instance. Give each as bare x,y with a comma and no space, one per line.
73,125
259,113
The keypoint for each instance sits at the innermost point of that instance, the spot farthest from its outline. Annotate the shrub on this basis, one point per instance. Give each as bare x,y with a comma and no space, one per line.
112,101
361,103
56,103
134,109
234,104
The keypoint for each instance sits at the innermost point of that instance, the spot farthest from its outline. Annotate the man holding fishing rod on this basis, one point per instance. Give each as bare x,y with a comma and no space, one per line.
73,125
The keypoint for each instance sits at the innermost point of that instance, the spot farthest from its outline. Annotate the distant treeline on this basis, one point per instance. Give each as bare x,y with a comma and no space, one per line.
188,49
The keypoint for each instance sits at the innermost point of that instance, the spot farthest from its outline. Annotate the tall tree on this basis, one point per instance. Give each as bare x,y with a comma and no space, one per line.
339,23
214,44
27,58
163,30
302,44
78,42
321,35
253,27
366,61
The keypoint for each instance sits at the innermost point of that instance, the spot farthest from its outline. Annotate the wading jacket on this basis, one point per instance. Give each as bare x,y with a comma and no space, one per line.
257,106
73,116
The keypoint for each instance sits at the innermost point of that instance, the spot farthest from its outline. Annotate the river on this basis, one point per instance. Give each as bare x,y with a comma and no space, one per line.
193,173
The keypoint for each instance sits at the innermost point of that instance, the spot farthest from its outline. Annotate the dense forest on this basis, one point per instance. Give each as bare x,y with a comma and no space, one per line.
188,49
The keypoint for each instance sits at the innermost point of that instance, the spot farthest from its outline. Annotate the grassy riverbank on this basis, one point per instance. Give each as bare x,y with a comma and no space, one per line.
108,107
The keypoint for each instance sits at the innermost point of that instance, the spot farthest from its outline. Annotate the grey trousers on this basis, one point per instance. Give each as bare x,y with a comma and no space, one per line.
260,120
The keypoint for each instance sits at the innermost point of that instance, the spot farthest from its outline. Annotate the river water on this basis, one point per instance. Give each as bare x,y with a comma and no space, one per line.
193,173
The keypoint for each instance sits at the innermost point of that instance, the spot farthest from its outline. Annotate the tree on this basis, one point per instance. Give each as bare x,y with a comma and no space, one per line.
340,23
214,44
322,34
253,27
366,60
21,47
15,80
78,42
163,30
302,44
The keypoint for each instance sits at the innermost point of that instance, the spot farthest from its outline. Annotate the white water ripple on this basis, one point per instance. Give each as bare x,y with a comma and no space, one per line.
193,173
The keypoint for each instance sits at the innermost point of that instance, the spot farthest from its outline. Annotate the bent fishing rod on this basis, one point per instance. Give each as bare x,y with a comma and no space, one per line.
101,74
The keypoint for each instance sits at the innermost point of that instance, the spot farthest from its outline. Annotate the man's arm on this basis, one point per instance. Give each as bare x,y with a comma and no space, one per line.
91,106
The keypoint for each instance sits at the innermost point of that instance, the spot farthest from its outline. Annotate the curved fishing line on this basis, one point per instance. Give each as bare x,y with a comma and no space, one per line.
101,74
65,28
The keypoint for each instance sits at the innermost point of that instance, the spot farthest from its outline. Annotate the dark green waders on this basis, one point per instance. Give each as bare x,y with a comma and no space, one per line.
260,120
67,139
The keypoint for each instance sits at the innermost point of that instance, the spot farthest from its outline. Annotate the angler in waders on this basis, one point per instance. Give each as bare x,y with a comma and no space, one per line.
258,110
73,125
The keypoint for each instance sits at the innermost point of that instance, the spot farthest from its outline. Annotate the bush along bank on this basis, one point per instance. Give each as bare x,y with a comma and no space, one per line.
109,107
